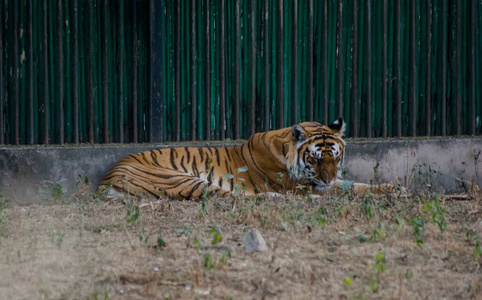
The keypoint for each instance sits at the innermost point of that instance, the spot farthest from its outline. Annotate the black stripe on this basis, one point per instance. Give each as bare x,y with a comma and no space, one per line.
227,153
135,158
194,188
173,164
182,164
154,158
157,175
216,151
201,153
194,167
188,154
210,176
140,186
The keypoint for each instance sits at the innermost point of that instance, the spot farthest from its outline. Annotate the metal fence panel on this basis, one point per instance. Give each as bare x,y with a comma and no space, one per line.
101,71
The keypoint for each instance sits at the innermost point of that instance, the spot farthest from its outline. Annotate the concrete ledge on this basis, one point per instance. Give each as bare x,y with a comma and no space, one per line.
412,163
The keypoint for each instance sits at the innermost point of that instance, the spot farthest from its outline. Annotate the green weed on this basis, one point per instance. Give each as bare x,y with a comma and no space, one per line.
477,250
217,235
53,189
161,243
133,213
418,228
437,213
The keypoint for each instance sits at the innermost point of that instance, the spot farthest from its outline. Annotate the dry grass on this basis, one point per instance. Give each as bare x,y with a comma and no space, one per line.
326,248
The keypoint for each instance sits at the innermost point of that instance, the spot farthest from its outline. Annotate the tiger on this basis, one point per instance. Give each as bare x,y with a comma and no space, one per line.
304,158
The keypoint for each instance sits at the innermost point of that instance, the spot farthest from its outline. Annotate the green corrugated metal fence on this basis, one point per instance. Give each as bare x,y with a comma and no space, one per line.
138,71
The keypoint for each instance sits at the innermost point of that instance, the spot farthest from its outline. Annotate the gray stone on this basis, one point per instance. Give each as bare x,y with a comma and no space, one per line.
253,241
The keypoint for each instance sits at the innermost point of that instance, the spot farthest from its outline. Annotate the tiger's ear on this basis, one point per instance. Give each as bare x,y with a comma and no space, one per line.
299,134
338,127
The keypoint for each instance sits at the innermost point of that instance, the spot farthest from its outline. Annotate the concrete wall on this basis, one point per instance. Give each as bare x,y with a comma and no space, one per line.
408,162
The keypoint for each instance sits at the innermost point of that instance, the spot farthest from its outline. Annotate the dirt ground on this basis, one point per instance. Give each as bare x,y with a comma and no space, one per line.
339,247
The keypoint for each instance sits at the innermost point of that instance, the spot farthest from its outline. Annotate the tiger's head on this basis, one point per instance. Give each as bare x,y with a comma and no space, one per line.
317,153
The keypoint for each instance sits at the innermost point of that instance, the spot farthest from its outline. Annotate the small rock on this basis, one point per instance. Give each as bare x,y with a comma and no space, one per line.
23,211
253,241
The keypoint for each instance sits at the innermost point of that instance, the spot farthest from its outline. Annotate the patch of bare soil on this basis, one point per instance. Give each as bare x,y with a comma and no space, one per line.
334,247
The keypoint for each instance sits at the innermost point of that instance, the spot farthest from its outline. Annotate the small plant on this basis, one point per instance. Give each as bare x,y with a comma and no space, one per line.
161,243
185,230
217,235
380,265
418,226
143,238
208,262
380,262
53,189
202,210
478,249
368,205
321,216
375,174
437,213
379,232
239,189
133,213
346,185
348,281
104,191
224,260
279,179
99,295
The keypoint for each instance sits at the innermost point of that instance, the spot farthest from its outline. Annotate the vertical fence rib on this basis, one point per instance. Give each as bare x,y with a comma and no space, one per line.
384,70
325,61
280,67
266,66
398,74
428,82
473,7
339,55
369,69
413,69
156,125
2,130
90,59
457,67
31,138
15,72
310,60
237,57
294,49
444,68
105,72
60,78
354,85
192,40
253,69
46,73
120,65
135,58
222,75
178,70
75,83
207,72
